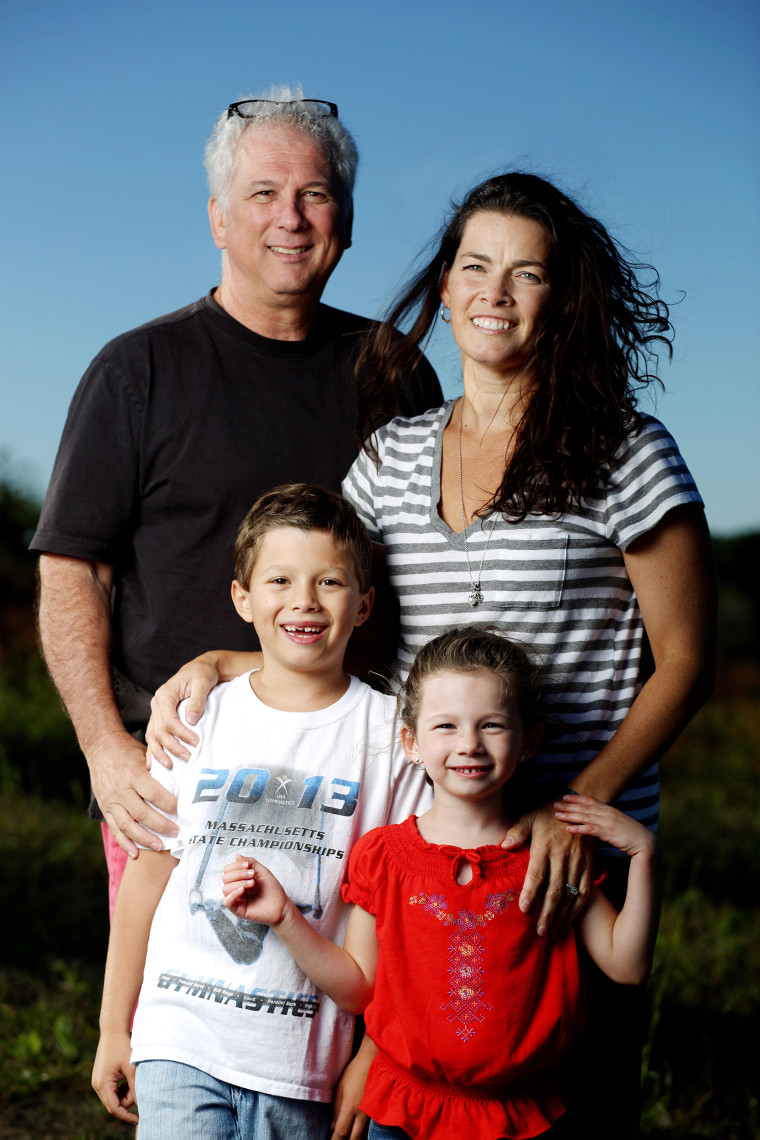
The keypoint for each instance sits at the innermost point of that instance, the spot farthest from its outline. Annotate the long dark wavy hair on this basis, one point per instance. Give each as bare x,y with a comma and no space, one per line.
597,347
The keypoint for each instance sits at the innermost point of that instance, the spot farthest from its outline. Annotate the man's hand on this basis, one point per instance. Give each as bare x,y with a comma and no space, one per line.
122,784
557,859
166,734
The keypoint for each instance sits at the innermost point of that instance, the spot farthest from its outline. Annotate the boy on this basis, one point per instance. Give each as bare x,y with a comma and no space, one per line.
230,1038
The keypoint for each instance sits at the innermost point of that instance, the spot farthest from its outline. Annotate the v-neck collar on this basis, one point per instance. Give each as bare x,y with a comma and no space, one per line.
455,539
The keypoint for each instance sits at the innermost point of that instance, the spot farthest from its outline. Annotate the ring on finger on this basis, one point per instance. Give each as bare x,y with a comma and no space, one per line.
571,890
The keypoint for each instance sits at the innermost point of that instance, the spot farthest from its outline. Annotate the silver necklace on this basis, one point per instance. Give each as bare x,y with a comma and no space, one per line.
475,596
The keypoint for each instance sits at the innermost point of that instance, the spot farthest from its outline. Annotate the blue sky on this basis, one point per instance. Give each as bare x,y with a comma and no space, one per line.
647,112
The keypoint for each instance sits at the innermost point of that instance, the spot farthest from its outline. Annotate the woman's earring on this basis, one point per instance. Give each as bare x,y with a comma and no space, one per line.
417,759
446,320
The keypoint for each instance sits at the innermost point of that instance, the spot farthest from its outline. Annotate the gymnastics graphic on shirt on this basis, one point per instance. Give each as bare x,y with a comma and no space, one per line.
252,811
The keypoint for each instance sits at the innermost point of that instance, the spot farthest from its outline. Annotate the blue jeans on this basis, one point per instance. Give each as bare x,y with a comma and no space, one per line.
178,1101
386,1132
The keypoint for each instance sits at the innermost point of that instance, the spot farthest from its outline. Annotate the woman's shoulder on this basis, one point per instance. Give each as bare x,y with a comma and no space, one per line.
649,437
412,428
648,478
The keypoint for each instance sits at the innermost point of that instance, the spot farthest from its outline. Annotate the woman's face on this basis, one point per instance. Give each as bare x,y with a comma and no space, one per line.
498,290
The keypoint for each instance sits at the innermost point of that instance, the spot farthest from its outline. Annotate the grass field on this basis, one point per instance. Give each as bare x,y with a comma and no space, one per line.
699,1076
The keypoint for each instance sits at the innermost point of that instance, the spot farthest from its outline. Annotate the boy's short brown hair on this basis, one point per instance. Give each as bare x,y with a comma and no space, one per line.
304,507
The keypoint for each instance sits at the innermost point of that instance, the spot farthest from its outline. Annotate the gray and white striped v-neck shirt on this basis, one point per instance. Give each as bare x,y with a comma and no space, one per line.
556,583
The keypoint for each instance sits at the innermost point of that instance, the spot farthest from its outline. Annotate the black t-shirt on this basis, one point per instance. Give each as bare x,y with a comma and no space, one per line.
173,432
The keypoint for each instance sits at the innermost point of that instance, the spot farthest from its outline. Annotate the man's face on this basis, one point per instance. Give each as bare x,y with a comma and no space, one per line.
284,230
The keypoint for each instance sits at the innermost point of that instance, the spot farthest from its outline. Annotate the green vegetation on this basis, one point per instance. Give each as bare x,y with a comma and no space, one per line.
699,1073
53,893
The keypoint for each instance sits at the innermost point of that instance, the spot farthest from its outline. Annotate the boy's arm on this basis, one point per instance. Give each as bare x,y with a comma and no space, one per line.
622,945
139,894
346,974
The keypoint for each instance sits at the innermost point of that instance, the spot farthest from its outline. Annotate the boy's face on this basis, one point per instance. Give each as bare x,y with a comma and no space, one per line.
303,599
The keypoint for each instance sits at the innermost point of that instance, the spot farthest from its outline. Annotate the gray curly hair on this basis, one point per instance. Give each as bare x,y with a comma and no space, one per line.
327,130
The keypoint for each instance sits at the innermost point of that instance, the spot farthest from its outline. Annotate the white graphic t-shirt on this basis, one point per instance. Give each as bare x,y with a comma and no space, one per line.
295,791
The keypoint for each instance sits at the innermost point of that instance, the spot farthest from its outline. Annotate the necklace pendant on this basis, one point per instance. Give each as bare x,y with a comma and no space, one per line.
475,596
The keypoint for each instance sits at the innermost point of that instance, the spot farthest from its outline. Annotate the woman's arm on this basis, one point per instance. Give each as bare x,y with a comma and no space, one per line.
192,683
622,945
346,974
139,894
673,574
672,571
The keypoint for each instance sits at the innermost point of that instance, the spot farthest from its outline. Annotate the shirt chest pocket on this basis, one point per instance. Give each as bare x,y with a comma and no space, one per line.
526,571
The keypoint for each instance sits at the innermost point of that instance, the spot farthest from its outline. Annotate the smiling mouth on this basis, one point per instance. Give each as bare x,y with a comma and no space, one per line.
304,634
478,770
290,250
492,324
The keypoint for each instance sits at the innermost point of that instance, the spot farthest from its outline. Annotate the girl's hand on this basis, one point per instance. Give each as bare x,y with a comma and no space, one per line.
113,1071
251,891
583,815
556,859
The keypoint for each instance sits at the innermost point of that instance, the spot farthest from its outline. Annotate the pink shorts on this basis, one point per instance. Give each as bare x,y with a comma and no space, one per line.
116,861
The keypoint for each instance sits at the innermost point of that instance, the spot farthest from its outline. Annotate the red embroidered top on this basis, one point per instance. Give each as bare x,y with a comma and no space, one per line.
470,1005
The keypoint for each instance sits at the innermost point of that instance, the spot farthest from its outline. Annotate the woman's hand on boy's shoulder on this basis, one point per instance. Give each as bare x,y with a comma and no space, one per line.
584,815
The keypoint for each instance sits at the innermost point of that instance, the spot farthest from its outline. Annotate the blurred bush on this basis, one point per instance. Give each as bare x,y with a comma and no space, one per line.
38,748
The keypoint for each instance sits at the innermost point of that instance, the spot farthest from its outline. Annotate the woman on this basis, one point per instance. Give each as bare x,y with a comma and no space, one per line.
542,502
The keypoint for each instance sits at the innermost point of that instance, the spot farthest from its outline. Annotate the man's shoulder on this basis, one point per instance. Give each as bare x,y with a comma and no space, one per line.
417,388
341,321
341,318
342,326
169,324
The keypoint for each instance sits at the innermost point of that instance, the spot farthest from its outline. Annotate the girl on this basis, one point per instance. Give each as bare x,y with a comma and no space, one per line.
465,1003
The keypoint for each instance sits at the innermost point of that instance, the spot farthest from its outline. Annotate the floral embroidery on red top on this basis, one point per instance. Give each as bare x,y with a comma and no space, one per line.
466,1005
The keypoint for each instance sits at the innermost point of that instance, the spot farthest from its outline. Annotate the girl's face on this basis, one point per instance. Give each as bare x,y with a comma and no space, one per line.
469,734
498,290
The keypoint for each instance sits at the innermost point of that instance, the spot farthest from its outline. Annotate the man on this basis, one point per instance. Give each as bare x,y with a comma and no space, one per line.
179,425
